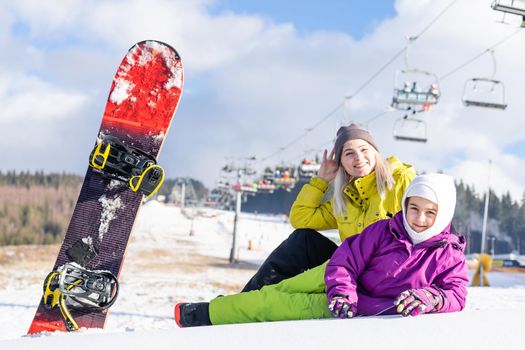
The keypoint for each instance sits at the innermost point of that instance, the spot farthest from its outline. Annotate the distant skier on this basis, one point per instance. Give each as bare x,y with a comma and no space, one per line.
410,264
414,87
406,86
433,89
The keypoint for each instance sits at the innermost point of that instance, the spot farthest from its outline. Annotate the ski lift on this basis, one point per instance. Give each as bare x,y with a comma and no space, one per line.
245,187
414,89
514,7
266,186
223,184
285,176
220,198
479,92
407,93
308,169
410,129
485,92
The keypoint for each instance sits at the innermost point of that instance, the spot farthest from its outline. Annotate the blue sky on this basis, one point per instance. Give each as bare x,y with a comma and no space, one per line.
354,17
517,148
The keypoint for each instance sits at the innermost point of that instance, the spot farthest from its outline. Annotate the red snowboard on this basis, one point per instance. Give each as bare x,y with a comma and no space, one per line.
142,100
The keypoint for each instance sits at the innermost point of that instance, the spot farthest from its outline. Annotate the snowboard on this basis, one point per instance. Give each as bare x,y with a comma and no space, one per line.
142,100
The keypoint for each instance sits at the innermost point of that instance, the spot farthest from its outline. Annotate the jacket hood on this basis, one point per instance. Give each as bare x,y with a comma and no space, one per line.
442,239
398,165
439,189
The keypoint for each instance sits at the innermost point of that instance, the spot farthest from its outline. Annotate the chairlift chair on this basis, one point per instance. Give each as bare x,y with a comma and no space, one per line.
309,170
410,129
514,7
266,183
477,93
266,187
285,176
407,95
244,187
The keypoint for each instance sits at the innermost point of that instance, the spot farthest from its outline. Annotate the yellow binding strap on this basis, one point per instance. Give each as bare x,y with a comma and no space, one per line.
51,296
136,181
70,322
104,156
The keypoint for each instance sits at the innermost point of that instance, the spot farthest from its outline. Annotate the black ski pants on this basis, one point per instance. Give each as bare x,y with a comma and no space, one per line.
301,251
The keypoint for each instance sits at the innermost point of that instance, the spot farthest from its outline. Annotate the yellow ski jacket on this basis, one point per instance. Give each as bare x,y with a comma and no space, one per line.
364,205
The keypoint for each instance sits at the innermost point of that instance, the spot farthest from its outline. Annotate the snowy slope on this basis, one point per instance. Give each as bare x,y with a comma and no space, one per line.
166,264
466,330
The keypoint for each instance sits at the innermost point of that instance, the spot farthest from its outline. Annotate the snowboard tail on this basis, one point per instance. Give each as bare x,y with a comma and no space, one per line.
143,98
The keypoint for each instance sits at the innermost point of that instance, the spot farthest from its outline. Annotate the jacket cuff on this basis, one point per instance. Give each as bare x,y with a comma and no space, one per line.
319,183
439,293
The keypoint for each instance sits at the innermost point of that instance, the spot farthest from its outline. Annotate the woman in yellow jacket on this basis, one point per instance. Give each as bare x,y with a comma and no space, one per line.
366,188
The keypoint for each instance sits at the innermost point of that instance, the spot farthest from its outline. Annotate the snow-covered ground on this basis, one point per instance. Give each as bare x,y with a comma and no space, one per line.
176,256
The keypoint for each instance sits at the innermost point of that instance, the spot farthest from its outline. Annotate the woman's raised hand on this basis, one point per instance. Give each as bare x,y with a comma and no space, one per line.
329,167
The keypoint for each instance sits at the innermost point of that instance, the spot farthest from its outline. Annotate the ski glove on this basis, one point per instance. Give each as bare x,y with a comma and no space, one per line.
414,302
342,307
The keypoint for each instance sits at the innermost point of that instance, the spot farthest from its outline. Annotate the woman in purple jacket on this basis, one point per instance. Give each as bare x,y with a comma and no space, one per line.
410,264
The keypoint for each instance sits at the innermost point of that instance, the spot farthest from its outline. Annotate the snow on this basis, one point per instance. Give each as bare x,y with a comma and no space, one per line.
109,212
174,65
177,255
157,139
123,87
121,90
113,184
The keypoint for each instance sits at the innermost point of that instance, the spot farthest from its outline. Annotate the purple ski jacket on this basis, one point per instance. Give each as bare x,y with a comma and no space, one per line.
374,267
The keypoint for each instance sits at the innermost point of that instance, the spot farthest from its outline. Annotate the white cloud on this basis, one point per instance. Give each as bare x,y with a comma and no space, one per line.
481,175
27,98
256,85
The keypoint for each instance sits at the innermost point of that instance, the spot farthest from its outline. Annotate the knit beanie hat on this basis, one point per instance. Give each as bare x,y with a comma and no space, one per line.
439,189
347,133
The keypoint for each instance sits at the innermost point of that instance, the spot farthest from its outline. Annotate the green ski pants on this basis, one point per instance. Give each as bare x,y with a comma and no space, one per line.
297,298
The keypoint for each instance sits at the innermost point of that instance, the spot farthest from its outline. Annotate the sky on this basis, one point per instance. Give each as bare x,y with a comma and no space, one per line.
267,79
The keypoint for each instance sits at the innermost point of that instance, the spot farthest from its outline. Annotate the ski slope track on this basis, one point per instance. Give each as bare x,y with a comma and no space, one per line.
166,264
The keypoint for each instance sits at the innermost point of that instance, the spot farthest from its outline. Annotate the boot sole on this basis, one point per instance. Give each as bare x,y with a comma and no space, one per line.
177,316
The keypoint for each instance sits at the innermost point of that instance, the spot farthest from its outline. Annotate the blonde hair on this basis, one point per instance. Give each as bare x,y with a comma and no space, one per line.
384,181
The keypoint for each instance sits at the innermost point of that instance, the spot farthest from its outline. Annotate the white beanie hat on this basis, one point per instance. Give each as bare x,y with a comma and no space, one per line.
439,189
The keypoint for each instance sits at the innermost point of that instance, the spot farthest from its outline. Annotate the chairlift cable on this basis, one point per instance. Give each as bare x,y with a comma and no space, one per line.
403,50
377,116
323,146
379,71
491,48
363,86
298,138
413,38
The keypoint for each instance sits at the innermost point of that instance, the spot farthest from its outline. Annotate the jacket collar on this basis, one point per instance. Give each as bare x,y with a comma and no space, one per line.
441,240
362,189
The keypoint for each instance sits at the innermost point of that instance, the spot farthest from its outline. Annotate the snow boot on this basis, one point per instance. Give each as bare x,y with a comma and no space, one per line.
192,314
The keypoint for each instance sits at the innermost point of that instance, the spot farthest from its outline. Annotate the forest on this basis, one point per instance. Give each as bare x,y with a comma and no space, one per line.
35,208
506,221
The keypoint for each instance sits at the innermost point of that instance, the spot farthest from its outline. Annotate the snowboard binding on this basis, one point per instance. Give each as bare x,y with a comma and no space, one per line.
72,286
115,160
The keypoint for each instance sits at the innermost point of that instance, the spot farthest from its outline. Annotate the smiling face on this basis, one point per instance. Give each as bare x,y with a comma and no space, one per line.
358,158
420,213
